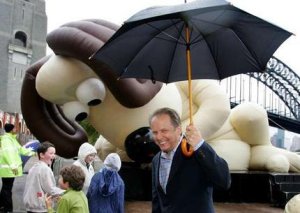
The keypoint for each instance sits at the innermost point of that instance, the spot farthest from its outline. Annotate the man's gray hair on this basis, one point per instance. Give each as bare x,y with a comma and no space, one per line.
175,119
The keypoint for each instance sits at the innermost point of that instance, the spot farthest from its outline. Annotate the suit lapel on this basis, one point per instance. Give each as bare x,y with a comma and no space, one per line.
157,174
176,163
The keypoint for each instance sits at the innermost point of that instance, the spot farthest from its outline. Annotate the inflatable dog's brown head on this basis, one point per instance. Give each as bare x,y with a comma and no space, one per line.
77,40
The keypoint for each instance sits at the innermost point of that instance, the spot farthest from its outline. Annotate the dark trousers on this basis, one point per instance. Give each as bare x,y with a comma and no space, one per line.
6,193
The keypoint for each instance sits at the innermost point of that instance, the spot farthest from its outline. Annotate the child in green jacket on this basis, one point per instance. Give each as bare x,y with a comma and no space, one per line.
73,200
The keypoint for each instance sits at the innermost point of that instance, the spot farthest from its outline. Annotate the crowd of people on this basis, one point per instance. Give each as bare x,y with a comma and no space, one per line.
180,183
79,190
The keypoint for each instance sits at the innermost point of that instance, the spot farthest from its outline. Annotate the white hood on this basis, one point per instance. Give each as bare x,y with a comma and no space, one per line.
84,150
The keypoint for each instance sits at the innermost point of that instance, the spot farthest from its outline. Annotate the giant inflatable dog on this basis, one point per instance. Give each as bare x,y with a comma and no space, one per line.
67,87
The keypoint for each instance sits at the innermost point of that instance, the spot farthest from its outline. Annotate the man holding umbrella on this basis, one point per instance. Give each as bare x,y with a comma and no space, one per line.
217,40
180,183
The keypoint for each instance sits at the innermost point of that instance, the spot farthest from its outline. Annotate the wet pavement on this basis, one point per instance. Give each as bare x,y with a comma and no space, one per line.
145,206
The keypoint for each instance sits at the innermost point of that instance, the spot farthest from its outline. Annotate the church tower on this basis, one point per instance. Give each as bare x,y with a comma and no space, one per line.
23,30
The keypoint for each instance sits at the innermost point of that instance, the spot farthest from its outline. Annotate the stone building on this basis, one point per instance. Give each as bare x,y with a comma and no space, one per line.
23,30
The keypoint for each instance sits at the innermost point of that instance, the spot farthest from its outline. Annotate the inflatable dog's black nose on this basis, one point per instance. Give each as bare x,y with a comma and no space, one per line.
140,146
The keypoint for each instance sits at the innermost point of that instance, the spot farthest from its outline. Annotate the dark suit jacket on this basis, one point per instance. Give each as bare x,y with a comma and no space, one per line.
191,181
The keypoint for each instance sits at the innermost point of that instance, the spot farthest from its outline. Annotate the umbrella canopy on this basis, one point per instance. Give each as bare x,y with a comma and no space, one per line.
206,39
224,41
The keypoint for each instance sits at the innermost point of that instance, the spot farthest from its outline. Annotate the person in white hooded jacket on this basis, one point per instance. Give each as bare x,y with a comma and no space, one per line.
86,156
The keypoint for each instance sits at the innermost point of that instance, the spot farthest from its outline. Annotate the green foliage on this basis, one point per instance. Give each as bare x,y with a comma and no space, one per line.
93,135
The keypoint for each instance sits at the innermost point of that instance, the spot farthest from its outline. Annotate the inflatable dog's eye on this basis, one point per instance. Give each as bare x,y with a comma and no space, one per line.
75,111
91,92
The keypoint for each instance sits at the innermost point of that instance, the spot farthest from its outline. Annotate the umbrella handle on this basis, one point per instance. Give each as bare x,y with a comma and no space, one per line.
186,149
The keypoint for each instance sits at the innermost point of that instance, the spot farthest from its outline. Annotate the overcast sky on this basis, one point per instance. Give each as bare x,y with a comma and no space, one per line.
282,13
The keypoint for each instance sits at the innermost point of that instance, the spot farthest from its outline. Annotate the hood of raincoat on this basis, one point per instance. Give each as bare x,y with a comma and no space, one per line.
109,182
84,150
113,162
106,191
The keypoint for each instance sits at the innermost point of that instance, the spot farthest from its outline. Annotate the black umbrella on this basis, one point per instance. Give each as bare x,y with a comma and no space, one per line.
206,39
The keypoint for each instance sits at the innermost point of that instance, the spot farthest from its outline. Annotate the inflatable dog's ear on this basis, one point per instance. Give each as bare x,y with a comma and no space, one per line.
45,119
77,40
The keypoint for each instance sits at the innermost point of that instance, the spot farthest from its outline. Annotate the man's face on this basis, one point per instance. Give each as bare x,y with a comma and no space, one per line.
165,135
